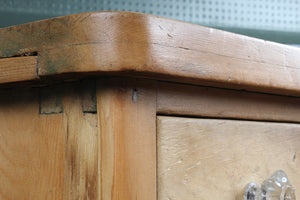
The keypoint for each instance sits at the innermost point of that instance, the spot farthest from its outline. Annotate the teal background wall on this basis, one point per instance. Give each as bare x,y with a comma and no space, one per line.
275,20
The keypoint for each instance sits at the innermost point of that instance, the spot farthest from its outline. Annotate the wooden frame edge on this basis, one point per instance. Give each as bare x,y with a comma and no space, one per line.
127,118
199,101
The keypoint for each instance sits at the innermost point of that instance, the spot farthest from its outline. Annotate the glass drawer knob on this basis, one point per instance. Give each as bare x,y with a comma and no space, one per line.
277,187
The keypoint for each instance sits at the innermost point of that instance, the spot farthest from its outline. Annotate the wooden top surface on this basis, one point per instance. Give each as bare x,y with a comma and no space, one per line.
127,43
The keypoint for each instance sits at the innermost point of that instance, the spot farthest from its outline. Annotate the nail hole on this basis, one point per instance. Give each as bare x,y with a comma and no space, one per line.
134,95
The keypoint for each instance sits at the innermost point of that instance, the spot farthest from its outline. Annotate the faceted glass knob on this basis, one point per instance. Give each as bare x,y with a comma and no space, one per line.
252,191
277,187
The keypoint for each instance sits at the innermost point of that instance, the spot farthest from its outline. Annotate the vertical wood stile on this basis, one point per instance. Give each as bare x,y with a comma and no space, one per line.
127,114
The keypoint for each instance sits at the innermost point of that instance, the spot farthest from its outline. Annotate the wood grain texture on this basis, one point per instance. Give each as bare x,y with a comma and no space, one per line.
31,149
128,139
47,156
18,69
81,175
138,44
177,99
215,159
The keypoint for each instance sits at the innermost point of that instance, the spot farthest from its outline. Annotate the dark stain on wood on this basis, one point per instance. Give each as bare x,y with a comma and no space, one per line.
53,65
88,96
51,100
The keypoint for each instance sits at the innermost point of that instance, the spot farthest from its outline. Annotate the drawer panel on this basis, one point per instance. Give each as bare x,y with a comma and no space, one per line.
215,159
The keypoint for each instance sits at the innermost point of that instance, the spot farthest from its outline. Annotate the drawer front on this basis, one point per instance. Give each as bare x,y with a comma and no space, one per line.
215,159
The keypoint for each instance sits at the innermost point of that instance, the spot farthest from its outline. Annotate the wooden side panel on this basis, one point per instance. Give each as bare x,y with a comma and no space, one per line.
127,111
18,69
176,99
31,149
49,155
215,159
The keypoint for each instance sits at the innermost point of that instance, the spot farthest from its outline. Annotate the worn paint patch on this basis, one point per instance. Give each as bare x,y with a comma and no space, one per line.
7,52
88,96
52,64
10,49
51,100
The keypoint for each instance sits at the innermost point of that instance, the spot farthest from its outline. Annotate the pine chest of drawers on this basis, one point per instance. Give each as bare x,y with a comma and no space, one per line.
118,105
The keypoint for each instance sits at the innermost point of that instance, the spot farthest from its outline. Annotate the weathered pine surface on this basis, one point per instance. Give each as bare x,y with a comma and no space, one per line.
215,159
46,152
18,69
102,141
179,99
127,115
138,44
